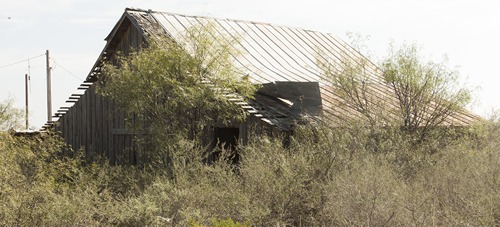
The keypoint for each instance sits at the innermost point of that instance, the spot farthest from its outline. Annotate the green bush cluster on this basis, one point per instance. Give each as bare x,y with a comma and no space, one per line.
326,177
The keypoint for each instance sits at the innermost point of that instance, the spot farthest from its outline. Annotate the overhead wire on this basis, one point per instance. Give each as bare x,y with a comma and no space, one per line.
18,62
29,67
62,67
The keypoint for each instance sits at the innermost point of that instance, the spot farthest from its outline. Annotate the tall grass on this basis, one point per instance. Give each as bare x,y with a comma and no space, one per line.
327,177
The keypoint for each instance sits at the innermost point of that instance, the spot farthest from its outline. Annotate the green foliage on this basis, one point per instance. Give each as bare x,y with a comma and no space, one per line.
350,76
327,177
10,117
359,84
229,223
32,179
418,95
175,87
428,92
222,223
39,186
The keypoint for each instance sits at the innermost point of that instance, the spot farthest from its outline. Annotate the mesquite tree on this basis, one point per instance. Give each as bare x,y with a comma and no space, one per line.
177,86
404,90
428,92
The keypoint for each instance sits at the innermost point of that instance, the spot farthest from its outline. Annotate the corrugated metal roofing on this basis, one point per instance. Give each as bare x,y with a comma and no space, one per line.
273,53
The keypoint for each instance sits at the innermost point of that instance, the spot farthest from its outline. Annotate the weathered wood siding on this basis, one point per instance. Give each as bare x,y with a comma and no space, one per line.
93,123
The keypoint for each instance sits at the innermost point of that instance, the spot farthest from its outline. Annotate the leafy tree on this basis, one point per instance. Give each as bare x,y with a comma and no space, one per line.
353,79
10,117
428,92
420,94
177,86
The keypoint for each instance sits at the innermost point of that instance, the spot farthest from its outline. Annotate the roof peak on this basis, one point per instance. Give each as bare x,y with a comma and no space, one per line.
131,9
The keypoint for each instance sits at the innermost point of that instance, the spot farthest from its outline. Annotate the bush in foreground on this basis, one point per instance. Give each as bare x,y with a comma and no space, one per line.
328,177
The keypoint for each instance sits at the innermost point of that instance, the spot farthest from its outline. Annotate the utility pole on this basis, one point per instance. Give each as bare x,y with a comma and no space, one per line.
49,89
26,89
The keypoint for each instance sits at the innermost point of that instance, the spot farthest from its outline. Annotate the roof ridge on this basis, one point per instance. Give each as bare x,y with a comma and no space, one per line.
219,18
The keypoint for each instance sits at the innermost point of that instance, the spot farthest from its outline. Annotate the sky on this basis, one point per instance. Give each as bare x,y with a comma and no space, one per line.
467,32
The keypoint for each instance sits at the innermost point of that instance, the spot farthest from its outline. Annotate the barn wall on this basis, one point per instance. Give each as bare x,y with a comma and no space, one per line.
92,123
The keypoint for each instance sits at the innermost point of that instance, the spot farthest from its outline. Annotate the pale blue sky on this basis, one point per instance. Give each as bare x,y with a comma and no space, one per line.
467,31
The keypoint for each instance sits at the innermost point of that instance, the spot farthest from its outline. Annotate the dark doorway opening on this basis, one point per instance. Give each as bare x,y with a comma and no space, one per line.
226,139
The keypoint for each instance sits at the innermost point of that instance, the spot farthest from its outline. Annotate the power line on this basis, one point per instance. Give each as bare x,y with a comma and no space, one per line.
75,76
18,62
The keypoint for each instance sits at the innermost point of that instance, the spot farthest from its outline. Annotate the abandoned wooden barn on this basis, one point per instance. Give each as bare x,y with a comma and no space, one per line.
282,59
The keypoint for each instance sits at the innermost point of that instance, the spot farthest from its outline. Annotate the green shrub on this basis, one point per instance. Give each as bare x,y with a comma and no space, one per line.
325,177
